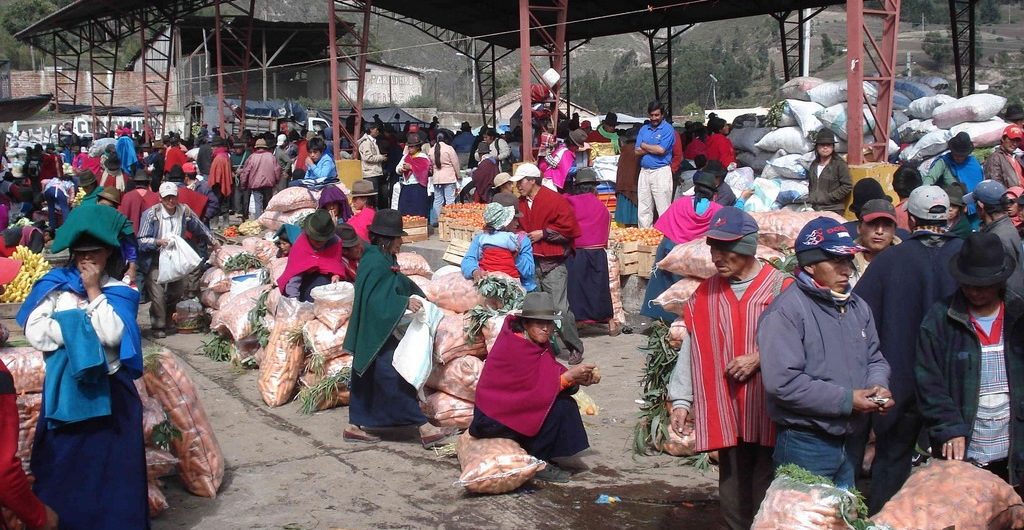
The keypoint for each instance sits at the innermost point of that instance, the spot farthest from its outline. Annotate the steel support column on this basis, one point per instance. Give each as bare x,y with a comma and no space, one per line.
539,18
103,48
659,42
961,20
157,63
349,47
487,88
880,55
67,59
793,31
217,44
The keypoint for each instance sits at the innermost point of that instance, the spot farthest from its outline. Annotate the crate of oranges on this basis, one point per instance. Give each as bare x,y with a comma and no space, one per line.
635,248
460,217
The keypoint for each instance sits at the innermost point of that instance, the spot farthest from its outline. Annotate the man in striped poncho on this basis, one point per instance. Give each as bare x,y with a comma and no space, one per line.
717,377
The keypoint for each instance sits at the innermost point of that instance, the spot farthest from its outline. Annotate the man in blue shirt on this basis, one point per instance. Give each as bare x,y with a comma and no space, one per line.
654,147
320,167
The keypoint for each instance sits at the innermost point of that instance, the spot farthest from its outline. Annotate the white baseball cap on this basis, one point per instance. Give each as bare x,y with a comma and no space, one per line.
168,189
281,139
526,169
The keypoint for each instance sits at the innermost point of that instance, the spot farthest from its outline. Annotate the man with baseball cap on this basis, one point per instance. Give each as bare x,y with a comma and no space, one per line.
876,233
1002,165
899,287
991,202
157,225
822,369
719,356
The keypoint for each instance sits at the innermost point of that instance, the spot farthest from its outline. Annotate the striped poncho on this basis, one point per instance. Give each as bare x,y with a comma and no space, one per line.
722,328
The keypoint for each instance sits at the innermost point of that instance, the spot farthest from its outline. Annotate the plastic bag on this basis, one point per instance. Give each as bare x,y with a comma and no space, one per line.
210,298
913,89
983,134
263,249
335,397
798,87
276,268
675,297
804,114
693,259
224,253
293,198
233,318
949,493
332,303
177,260
929,145
785,167
282,363
836,120
492,329
681,445
677,330
410,263
324,340
215,280
778,229
453,292
794,505
201,461
975,107
835,92
29,407
159,463
615,287
494,465
458,378
788,139
586,404
756,160
450,339
27,366
273,220
746,138
923,108
157,500
446,410
413,358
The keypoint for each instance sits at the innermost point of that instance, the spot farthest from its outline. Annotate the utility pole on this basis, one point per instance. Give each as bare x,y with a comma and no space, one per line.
909,73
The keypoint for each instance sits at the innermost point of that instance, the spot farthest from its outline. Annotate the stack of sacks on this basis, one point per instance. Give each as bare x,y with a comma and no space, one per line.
942,117
291,205
328,366
777,232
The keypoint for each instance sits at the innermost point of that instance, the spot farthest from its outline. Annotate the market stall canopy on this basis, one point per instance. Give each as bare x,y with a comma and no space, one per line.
386,114
13,109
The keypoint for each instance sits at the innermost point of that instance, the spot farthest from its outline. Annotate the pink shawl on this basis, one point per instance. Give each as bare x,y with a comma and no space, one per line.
681,223
420,164
303,258
593,218
361,222
557,172
519,382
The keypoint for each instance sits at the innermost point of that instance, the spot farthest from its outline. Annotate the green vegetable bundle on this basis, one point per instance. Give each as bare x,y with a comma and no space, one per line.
241,262
652,428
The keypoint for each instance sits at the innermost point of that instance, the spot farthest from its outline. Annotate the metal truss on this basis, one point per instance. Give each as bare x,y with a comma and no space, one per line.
961,20
659,42
484,62
102,75
348,64
536,19
870,59
793,27
67,58
156,56
239,52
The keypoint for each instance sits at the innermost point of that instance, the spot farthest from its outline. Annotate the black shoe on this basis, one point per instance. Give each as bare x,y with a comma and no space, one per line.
159,334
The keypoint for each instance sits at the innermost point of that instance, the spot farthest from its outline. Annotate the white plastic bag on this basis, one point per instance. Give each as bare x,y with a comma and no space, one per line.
804,114
975,107
177,260
834,92
786,167
797,88
983,134
788,139
930,144
414,355
923,108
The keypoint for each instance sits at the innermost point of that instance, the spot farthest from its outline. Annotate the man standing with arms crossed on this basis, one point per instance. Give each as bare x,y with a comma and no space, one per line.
654,147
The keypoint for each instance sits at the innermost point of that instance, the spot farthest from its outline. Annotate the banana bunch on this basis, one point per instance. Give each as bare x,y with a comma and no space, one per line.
33,267
77,199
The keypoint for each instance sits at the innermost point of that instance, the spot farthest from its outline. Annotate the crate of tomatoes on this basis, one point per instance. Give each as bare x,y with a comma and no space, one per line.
634,248
455,219
415,228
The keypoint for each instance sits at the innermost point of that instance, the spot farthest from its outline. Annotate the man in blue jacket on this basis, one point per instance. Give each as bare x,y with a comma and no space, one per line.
900,286
820,362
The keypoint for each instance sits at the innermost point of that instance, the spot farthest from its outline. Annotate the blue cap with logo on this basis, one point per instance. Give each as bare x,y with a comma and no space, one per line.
730,224
823,239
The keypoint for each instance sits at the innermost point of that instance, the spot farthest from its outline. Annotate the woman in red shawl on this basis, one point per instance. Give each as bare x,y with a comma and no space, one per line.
315,258
221,177
415,169
524,394
364,198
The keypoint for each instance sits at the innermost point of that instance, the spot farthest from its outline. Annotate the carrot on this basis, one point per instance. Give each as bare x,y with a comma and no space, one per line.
281,364
494,465
458,378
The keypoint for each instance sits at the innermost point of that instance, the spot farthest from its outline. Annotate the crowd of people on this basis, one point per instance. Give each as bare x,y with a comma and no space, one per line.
897,325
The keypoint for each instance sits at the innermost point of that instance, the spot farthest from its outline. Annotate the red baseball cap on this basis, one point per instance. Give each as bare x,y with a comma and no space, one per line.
876,208
9,269
1013,132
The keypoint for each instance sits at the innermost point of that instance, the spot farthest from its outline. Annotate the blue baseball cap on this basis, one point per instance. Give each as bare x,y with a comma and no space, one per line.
822,239
731,224
987,192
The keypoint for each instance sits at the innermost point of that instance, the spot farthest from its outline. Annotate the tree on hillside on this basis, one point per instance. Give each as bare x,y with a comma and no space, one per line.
932,11
938,48
20,14
988,12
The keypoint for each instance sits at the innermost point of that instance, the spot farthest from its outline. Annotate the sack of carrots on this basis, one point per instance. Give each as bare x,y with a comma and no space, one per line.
232,319
676,333
953,494
458,378
201,463
214,280
453,292
26,366
264,249
615,287
693,259
325,385
446,410
675,297
800,500
411,263
494,465
332,303
29,407
450,339
157,500
322,339
282,363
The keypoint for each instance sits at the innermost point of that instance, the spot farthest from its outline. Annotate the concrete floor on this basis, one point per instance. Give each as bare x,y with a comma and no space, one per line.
290,471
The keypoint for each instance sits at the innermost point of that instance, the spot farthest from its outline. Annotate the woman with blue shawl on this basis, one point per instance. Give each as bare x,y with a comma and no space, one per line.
88,457
126,152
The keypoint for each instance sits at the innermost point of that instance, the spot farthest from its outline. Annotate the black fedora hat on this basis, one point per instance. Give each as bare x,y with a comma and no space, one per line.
982,261
319,226
539,306
348,235
387,223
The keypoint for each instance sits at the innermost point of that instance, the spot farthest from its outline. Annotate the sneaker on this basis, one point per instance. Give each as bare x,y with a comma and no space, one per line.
553,474
159,334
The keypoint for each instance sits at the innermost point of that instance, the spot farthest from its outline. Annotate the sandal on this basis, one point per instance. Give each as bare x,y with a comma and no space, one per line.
575,357
437,440
360,436
553,474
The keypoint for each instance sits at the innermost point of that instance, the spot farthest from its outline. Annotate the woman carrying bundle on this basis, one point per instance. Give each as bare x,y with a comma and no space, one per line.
525,394
88,458
499,247
314,258
380,397
590,297
687,219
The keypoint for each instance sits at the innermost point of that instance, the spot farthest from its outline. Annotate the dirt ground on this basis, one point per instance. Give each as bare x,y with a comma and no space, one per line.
286,470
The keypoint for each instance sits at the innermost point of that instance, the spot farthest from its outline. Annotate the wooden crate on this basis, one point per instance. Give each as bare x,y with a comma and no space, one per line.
626,253
443,233
645,260
462,233
455,252
415,234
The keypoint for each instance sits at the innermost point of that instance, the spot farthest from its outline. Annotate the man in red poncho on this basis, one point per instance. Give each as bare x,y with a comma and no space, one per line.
138,200
551,224
221,177
175,155
718,376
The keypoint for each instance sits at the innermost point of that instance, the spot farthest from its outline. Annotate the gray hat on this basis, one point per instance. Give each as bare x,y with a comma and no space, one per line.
319,226
539,306
507,199
586,175
348,235
362,188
